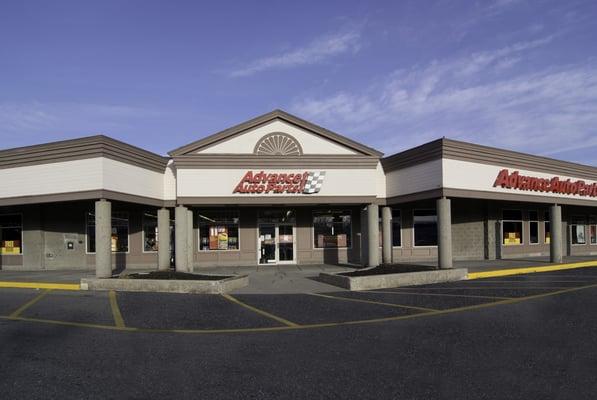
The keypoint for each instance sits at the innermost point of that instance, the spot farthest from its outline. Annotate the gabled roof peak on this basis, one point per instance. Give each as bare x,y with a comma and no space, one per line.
265,118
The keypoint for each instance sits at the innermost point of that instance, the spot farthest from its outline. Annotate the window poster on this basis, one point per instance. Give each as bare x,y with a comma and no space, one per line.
218,238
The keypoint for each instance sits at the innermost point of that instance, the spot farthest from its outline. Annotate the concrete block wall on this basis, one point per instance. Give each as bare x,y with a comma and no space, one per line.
468,229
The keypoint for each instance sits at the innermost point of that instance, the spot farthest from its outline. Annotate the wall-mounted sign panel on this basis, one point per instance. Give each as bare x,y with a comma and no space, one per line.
516,180
276,183
470,176
307,182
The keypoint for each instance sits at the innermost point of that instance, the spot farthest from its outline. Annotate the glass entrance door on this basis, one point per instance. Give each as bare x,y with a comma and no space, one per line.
267,244
276,244
285,243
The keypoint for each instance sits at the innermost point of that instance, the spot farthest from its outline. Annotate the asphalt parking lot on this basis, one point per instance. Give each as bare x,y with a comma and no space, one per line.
526,336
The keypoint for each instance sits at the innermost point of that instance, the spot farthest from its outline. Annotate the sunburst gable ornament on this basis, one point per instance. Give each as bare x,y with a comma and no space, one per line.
278,144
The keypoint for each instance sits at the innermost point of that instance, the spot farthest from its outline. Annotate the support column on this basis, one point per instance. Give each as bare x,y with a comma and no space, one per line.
386,228
373,235
163,239
444,233
190,240
180,238
103,239
555,243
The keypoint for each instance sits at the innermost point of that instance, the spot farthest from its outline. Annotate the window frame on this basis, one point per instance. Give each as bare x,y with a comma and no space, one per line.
350,212
592,222
434,246
20,214
143,234
128,231
522,233
546,220
530,221
199,225
574,222
400,222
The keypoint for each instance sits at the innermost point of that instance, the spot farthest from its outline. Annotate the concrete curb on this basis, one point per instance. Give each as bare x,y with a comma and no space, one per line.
393,280
166,286
40,285
530,270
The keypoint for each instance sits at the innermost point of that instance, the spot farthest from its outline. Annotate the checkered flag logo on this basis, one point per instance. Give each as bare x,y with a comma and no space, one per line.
314,182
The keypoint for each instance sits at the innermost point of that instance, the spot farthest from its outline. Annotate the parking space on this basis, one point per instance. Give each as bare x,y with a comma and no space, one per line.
262,312
309,309
12,299
184,311
83,307
428,300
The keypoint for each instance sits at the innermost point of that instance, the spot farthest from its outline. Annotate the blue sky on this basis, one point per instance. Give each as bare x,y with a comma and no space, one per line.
520,75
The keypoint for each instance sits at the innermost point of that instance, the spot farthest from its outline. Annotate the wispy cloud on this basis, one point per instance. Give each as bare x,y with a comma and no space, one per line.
315,52
25,122
474,98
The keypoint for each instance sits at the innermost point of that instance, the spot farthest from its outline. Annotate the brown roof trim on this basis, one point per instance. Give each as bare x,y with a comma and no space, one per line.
264,200
236,161
82,148
85,195
464,151
457,150
417,155
265,118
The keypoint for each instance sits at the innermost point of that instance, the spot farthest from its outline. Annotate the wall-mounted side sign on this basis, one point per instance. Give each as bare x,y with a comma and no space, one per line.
308,182
552,185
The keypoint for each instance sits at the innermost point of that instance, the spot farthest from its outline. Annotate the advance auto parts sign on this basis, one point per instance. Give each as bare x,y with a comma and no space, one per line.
307,182
553,185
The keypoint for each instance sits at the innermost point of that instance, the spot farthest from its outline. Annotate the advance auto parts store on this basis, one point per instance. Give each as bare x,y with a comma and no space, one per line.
278,189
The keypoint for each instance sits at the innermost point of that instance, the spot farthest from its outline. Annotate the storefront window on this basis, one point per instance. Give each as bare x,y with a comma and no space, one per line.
11,232
150,232
533,227
425,227
547,227
332,228
593,229
218,230
120,232
512,227
578,231
396,228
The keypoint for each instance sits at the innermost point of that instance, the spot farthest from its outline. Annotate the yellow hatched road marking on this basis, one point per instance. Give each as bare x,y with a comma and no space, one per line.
424,309
31,302
118,320
439,294
259,311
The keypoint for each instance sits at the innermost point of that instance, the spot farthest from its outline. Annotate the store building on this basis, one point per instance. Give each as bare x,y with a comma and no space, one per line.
281,190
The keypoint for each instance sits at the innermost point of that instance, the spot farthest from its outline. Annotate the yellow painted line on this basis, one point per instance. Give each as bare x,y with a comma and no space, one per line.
530,270
424,309
534,281
40,285
301,327
400,290
259,311
118,320
441,295
31,302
